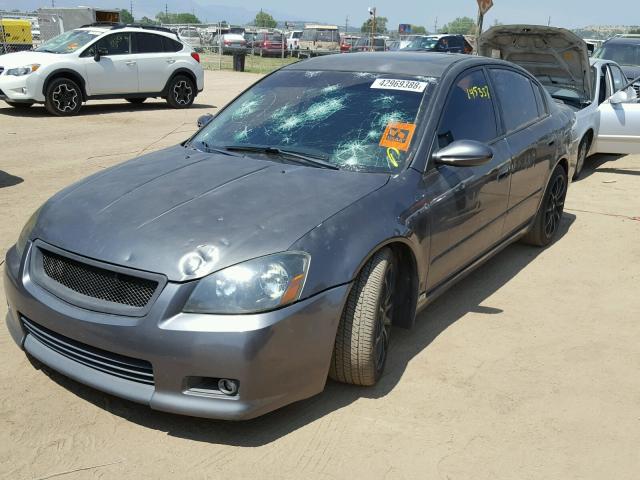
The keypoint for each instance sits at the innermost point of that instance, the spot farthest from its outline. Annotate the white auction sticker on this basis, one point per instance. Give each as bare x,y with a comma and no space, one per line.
394,84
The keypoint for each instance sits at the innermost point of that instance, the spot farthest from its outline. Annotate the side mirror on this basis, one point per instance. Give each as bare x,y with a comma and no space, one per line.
204,120
99,53
464,153
618,97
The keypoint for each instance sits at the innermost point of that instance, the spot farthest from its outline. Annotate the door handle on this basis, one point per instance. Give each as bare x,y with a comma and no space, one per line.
130,62
171,60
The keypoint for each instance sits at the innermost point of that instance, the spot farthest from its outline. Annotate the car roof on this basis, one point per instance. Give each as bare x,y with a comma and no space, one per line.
402,63
628,40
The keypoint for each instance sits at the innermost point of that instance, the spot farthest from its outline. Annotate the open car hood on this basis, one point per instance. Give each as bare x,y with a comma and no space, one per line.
555,56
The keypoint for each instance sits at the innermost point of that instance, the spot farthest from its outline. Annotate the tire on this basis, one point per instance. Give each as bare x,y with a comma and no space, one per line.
20,105
136,101
583,149
181,92
362,340
547,220
63,97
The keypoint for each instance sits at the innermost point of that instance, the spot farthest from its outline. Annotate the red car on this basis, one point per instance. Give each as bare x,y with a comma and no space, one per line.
347,42
270,45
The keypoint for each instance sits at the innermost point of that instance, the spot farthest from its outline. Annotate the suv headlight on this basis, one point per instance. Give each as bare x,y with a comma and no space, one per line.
26,70
258,285
26,232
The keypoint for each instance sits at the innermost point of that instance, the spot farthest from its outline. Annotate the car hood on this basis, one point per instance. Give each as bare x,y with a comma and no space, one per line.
154,212
555,56
20,59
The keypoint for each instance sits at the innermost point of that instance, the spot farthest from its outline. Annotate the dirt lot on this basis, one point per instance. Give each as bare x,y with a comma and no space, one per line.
527,369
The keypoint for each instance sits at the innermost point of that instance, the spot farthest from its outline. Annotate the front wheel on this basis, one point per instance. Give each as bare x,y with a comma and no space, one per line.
182,92
362,340
583,149
547,220
63,97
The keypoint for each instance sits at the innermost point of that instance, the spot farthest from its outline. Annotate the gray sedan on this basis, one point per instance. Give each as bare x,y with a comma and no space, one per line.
280,245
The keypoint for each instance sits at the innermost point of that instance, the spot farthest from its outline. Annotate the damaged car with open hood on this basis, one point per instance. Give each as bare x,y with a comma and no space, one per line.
604,101
285,240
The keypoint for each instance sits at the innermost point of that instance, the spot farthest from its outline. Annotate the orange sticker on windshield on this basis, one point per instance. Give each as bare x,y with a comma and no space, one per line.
398,135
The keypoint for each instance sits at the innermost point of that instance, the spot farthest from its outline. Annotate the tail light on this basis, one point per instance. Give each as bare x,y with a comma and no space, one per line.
265,44
195,56
227,42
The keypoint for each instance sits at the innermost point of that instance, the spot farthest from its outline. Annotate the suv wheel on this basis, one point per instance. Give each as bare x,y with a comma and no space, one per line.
181,92
63,97
362,340
547,220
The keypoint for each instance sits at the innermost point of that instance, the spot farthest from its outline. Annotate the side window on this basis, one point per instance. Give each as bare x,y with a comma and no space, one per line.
456,42
115,44
542,106
148,43
443,43
171,45
517,100
469,112
618,78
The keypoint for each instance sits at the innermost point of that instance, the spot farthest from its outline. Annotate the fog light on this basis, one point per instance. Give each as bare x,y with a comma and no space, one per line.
228,387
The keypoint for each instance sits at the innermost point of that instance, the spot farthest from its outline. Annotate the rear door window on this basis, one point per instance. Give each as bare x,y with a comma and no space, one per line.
516,97
148,43
469,113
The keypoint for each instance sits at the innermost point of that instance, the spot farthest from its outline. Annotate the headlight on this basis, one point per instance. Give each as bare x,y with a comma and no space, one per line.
26,70
26,232
257,285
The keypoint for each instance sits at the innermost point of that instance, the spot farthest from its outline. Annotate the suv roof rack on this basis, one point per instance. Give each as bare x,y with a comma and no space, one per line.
117,25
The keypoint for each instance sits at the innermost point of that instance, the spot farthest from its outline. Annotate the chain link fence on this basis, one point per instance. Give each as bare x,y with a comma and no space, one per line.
24,31
207,39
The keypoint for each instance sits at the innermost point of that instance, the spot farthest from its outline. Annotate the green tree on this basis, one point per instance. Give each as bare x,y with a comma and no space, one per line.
264,20
418,30
177,18
147,21
125,16
463,25
381,25
635,31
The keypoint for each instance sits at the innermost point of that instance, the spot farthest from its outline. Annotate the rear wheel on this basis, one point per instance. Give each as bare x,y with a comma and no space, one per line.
181,92
136,101
63,97
545,226
362,340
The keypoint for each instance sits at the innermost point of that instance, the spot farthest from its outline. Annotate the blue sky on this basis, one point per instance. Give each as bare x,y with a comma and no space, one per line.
565,13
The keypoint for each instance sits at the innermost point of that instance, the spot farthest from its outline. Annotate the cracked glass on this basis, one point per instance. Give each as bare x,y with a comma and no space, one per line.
335,116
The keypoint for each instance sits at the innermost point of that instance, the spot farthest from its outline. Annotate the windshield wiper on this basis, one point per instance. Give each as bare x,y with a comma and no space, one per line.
306,158
209,149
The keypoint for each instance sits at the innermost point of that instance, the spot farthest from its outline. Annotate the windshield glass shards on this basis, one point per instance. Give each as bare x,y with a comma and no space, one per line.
353,120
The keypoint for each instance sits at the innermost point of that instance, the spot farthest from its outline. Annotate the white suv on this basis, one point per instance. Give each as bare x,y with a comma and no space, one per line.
98,62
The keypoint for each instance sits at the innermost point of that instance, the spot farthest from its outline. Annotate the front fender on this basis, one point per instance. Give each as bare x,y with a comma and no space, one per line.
342,244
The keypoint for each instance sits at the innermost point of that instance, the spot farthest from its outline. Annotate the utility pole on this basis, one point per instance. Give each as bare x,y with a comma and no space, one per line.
435,26
346,25
131,10
372,12
549,22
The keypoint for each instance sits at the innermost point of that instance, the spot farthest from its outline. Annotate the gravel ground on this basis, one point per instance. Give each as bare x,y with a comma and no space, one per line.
526,369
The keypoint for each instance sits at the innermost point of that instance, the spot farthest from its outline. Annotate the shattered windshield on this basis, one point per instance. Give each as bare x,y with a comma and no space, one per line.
354,120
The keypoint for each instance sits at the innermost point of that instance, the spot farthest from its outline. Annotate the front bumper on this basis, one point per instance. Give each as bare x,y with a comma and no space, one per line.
278,357
24,89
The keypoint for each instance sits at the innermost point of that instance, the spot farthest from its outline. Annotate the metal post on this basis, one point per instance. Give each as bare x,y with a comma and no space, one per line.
219,46
479,28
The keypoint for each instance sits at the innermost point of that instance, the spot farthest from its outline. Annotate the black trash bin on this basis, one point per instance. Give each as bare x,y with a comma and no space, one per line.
238,62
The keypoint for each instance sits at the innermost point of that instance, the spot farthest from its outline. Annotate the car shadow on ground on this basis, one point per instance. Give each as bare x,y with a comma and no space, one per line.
467,296
8,180
593,163
100,108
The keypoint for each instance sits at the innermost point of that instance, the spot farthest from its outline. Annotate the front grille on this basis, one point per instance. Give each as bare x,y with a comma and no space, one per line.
128,368
637,88
96,282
